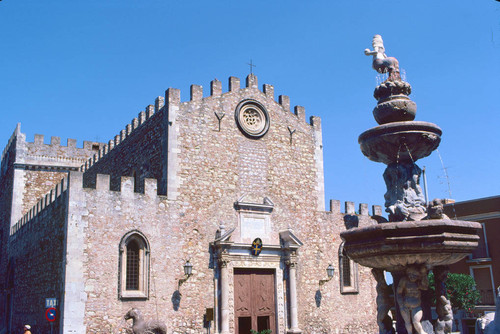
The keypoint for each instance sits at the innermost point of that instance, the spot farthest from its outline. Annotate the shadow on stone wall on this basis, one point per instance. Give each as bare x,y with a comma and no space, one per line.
317,297
176,300
351,221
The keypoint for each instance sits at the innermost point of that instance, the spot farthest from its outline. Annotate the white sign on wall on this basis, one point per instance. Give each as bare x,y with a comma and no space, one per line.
50,302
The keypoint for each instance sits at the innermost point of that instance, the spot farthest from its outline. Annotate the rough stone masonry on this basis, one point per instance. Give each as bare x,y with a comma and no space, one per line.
108,227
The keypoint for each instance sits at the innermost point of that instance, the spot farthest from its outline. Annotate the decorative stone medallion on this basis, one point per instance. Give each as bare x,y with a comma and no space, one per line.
252,118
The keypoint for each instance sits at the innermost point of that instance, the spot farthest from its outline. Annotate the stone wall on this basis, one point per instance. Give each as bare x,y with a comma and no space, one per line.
29,171
323,308
7,185
109,217
216,166
40,166
36,255
175,237
136,151
205,164
36,185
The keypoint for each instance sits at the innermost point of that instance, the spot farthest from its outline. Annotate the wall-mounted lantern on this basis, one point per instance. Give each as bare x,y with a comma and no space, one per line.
188,271
330,270
188,268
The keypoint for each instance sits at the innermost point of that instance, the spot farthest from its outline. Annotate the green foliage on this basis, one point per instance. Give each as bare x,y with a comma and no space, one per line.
265,331
460,290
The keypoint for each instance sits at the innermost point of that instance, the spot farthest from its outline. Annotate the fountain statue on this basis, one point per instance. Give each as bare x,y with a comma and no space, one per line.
382,63
443,305
418,237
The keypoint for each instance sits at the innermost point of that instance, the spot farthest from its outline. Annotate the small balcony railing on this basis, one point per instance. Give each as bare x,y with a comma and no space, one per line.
486,297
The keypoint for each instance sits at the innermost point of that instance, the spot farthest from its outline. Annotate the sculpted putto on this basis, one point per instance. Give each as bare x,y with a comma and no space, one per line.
443,305
444,321
409,297
382,63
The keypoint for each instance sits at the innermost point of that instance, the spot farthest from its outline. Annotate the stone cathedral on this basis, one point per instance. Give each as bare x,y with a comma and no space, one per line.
202,216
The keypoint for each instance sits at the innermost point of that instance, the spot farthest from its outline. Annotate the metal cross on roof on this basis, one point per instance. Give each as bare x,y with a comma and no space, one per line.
251,66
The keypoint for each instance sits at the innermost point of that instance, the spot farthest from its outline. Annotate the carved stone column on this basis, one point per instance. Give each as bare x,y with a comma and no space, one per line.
224,297
294,319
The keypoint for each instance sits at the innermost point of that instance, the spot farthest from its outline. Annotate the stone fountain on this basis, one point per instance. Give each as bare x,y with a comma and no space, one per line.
418,237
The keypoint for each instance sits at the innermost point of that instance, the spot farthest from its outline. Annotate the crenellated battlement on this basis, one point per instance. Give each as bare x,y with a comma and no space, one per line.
251,82
48,199
350,208
143,116
103,183
55,143
38,154
75,181
173,98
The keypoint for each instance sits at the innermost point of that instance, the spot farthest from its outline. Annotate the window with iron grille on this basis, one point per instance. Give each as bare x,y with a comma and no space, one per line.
132,281
133,278
346,270
348,273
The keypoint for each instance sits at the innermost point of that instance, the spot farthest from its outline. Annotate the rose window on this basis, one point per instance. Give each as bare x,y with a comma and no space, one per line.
252,118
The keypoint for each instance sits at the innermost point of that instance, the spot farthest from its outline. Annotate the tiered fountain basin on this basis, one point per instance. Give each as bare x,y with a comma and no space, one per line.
394,246
399,141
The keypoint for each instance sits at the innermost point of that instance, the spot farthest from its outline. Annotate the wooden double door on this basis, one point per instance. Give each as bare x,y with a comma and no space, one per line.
254,300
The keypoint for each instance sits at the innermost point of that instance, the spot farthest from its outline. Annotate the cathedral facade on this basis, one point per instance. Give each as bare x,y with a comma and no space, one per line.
207,216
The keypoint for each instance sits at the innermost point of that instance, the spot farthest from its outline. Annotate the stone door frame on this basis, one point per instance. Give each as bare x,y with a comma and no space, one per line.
281,258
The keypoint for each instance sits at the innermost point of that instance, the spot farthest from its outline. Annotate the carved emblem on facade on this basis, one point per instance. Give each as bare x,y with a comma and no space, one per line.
256,247
252,118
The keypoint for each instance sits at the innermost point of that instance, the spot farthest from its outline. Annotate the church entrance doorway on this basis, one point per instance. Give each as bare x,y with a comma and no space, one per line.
254,300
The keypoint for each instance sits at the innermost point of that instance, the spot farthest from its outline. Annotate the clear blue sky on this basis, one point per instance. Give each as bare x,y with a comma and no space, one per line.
84,69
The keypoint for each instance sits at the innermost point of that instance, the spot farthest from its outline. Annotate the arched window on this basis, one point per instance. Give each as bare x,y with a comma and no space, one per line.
348,273
134,266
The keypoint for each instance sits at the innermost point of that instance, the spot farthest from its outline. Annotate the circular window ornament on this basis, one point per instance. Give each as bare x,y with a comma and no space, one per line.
252,118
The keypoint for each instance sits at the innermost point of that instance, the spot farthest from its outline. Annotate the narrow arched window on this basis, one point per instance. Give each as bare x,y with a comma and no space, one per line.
348,272
134,266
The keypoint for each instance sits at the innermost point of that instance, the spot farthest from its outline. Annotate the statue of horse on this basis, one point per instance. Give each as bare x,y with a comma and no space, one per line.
382,63
139,326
